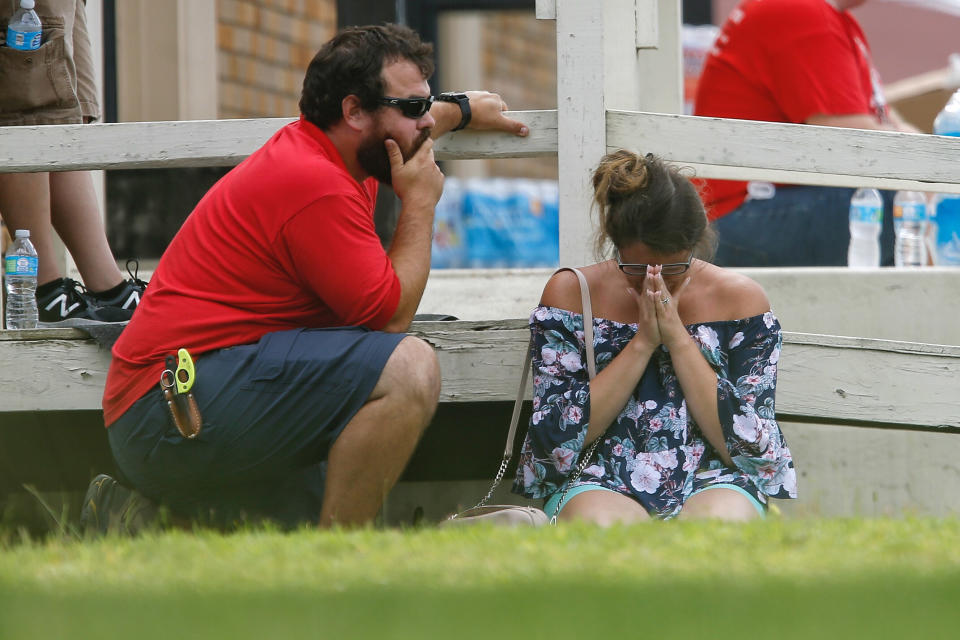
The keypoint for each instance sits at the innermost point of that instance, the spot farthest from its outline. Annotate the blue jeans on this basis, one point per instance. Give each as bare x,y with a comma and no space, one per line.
800,226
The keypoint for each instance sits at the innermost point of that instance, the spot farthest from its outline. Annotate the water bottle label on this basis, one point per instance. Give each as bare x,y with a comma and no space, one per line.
23,40
866,214
911,212
948,231
21,266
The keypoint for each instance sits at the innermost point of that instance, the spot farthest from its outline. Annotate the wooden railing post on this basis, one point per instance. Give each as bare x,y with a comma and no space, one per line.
611,54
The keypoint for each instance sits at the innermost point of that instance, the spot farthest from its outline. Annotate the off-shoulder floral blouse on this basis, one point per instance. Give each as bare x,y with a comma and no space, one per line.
654,451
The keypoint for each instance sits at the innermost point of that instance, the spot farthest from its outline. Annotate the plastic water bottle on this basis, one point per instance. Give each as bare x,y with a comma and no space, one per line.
24,29
866,222
946,207
910,227
20,272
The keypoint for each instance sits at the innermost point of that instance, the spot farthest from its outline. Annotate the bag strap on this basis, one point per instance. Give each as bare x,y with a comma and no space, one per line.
587,313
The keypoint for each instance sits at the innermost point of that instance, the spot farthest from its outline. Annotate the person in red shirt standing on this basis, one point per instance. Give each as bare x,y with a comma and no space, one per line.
803,62
279,287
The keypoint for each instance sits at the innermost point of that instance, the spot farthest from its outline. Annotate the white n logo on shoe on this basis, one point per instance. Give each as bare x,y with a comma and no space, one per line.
62,300
133,300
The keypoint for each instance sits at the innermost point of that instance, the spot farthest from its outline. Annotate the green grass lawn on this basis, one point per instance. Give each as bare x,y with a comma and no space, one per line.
774,579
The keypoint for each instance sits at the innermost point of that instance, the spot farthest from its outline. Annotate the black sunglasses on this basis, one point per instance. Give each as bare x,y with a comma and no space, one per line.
414,108
639,269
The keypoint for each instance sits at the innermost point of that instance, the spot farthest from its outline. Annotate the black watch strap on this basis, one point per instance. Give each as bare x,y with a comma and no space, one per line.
463,101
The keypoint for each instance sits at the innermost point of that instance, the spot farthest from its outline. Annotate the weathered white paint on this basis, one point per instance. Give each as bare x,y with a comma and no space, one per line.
788,147
822,378
546,10
581,91
659,70
842,471
851,471
646,23
914,305
204,143
752,150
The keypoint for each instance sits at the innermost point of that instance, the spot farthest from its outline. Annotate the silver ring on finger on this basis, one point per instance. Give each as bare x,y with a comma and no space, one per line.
665,300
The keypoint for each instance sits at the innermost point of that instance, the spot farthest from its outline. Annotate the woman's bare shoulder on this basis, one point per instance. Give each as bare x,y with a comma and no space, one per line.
739,296
562,291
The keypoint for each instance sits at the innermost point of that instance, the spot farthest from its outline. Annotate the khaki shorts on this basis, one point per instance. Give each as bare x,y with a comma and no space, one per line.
54,84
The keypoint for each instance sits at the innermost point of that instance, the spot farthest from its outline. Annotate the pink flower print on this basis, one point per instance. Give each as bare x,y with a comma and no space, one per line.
736,339
594,470
768,319
529,475
552,370
775,355
692,455
747,427
573,414
790,482
707,337
536,398
617,449
666,459
536,417
750,398
571,361
753,380
645,478
656,424
541,313
549,355
562,459
650,405
767,471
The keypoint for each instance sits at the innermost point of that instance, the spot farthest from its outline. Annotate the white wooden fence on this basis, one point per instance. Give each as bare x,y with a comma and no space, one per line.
607,51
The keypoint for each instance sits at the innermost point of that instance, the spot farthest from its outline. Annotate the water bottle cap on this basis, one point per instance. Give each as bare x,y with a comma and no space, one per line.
22,233
26,4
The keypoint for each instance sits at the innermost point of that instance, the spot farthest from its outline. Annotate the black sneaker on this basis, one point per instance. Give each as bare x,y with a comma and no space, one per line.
68,304
128,299
109,507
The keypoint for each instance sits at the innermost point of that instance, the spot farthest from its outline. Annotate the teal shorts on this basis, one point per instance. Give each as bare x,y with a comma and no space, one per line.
550,506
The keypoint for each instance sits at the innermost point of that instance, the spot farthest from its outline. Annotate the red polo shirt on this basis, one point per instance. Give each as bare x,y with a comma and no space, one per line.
784,61
284,240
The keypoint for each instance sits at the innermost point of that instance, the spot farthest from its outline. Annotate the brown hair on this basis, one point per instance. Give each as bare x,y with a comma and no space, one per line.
352,64
643,199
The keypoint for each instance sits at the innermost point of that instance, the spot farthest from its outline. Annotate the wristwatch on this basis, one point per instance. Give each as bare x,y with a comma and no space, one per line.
463,101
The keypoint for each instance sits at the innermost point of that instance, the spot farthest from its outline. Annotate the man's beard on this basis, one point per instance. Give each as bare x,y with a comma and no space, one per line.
374,160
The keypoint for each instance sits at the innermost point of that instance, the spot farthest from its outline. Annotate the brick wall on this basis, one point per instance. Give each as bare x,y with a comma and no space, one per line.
520,63
264,47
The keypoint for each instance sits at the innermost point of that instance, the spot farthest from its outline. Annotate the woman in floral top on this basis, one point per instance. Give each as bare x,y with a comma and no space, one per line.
686,356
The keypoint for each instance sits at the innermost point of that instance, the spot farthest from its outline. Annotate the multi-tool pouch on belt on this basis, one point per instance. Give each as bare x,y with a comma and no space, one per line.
176,382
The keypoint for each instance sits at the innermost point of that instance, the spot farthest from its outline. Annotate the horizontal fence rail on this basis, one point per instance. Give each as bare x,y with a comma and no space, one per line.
823,379
219,143
792,153
712,147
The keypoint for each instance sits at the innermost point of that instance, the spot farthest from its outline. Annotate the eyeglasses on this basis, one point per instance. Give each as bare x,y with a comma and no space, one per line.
414,108
672,269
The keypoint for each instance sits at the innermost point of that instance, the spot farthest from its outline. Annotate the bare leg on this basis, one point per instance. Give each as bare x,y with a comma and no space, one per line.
603,508
25,204
372,451
75,215
719,503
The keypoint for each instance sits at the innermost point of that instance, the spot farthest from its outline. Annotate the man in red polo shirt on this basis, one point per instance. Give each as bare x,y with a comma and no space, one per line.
279,287
797,61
